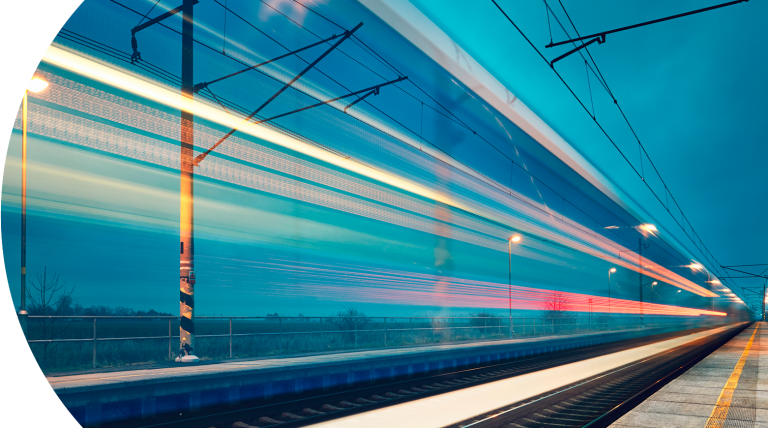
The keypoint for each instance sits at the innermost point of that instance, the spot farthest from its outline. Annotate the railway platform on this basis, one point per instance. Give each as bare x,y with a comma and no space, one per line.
729,388
101,398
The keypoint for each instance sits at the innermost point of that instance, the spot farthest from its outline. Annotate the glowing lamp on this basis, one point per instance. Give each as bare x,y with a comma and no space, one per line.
612,270
36,85
696,266
648,228
516,238
654,282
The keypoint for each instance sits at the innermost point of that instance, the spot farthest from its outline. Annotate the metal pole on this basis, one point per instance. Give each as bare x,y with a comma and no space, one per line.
609,298
510,287
170,338
355,319
280,335
640,277
653,316
186,194
23,305
94,343
230,338
385,331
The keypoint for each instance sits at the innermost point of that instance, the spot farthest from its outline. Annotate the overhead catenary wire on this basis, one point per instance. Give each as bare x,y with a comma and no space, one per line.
641,146
705,251
421,138
446,109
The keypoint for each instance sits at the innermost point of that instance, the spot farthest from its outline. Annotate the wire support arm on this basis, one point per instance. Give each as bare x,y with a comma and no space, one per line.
741,271
311,65
136,55
371,90
642,24
600,40
203,85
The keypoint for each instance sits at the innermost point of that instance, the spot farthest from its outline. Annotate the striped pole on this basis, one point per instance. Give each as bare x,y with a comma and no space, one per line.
186,220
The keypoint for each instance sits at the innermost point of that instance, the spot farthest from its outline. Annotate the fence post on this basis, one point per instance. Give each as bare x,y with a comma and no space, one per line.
355,320
230,337
432,327
322,335
385,332
280,335
170,338
94,342
510,327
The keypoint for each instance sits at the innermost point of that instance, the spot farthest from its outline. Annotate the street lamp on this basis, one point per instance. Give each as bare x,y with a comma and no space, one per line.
515,239
651,284
36,85
610,271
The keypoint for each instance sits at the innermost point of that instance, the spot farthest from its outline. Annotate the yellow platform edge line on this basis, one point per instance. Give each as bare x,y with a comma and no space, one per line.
720,412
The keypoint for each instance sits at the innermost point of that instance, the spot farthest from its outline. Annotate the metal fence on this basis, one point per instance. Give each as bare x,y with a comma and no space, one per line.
236,337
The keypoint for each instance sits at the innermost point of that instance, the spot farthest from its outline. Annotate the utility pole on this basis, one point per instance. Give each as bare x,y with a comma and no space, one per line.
510,287
640,277
186,194
186,177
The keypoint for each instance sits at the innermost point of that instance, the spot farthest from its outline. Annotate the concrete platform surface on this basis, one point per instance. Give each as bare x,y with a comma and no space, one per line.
461,405
729,388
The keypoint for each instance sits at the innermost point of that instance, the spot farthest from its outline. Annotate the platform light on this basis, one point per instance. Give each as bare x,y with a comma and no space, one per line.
37,84
612,270
695,265
654,283
515,238
649,228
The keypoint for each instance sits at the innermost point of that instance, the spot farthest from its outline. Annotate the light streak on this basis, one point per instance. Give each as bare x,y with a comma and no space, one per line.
370,284
524,213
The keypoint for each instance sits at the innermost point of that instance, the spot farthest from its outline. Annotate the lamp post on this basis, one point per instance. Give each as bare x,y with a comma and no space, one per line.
651,284
610,271
514,238
36,85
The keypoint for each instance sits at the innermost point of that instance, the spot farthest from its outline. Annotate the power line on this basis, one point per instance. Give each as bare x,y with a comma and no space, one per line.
639,173
450,112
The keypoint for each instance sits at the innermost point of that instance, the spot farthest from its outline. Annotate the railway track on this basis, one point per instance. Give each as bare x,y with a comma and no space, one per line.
599,401
306,410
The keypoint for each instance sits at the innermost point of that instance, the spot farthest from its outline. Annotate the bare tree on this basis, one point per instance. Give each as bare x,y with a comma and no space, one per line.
350,320
48,297
555,308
